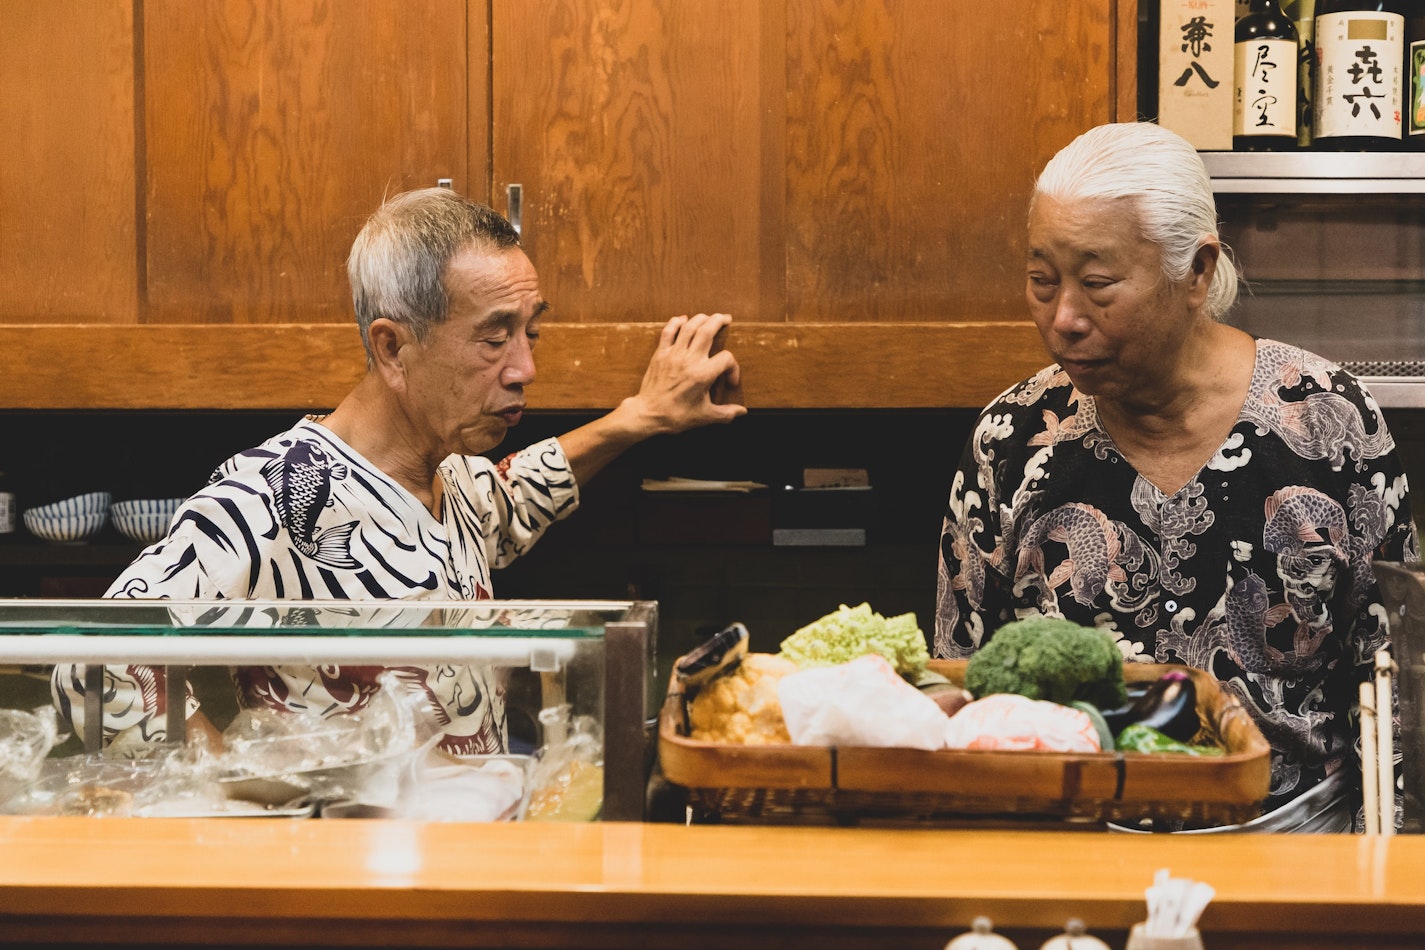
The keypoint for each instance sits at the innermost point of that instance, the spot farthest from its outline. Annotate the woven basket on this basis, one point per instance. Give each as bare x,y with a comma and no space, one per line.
855,785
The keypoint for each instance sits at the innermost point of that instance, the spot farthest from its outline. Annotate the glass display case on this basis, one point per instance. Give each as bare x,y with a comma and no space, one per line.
568,685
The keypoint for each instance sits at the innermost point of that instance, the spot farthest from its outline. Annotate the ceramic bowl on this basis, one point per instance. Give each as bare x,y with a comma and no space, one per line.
71,521
144,520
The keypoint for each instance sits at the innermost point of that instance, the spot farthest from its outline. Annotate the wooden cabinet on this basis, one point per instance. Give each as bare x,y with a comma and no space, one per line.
271,129
640,137
803,164
68,219
788,161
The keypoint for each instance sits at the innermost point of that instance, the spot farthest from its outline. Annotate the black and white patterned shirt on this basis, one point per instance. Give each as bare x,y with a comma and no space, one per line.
303,516
1258,570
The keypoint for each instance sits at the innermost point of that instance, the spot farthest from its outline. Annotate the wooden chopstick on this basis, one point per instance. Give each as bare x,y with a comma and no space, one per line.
1370,774
1385,742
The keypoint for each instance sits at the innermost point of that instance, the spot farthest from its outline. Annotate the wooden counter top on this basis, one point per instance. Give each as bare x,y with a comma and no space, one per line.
371,883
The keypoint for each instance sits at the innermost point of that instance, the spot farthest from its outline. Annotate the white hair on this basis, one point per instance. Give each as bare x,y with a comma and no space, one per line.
1164,177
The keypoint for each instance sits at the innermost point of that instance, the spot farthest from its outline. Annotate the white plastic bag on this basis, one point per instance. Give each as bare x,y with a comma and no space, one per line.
1008,721
864,702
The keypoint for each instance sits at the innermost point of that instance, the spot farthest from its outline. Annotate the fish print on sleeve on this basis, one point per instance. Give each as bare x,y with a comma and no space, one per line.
303,516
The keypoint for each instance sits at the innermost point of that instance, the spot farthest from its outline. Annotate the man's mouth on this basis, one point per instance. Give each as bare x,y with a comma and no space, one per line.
1079,366
511,415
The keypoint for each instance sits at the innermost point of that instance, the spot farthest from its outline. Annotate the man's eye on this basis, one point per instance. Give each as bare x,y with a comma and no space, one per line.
1042,287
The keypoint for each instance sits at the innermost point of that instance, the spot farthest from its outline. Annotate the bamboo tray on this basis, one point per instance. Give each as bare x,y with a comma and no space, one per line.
851,785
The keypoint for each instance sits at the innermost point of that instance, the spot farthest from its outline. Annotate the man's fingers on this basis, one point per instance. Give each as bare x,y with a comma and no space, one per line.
699,331
671,330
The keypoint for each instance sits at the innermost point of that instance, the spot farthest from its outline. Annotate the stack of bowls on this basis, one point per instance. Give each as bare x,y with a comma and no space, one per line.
71,521
145,520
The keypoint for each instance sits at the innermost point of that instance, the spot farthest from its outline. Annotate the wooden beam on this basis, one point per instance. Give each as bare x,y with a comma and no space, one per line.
581,366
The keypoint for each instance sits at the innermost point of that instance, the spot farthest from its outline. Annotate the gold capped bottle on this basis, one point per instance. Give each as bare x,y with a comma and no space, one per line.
1264,80
1360,55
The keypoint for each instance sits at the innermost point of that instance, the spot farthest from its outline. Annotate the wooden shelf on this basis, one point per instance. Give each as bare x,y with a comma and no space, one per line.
581,366
32,553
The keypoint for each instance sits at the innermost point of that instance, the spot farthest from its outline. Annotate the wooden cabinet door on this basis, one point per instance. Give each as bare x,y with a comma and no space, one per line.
638,132
273,128
67,190
914,132
803,160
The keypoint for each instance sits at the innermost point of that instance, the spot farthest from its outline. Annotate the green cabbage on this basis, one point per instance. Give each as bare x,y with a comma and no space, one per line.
851,632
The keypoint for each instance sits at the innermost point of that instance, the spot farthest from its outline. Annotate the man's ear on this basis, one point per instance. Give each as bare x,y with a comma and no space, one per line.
388,340
1204,266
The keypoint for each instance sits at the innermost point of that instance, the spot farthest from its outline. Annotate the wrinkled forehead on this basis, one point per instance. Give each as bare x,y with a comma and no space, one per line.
482,279
1084,227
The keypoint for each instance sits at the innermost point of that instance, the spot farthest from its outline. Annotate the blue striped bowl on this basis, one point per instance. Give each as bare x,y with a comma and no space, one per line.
145,520
72,521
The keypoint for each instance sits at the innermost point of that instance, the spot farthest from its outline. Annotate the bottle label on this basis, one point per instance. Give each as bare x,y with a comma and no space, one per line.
1358,81
7,512
1415,107
1265,100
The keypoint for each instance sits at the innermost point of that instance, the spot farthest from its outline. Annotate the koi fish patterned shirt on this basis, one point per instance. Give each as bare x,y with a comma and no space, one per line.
1258,570
303,516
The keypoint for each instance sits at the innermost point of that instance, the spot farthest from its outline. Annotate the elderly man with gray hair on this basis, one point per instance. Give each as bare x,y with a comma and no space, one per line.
388,496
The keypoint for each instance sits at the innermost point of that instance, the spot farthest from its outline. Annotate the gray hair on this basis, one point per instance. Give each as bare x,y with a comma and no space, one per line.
397,263
1163,175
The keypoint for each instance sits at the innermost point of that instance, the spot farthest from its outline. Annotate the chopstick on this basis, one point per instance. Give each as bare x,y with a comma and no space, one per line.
1378,748
1370,773
1385,742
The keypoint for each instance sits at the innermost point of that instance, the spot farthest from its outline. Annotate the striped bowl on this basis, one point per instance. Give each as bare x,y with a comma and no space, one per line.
72,521
145,520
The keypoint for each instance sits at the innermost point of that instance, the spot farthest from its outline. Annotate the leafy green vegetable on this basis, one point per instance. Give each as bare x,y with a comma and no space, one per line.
1049,658
1140,738
851,632
1105,735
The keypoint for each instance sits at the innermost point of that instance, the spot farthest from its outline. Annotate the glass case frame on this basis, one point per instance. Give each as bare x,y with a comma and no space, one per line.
178,634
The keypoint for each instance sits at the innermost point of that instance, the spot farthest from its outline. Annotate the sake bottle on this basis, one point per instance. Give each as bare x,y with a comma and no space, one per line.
1264,79
1413,84
1360,50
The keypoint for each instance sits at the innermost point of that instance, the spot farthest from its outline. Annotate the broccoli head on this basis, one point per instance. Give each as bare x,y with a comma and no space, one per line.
853,632
1050,658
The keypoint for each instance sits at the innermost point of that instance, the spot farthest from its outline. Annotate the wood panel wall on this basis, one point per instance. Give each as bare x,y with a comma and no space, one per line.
809,161
68,218
581,365
199,163
638,132
912,148
272,129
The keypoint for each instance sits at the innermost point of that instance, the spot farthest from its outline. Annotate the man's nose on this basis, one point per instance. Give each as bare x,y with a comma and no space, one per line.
519,369
1070,310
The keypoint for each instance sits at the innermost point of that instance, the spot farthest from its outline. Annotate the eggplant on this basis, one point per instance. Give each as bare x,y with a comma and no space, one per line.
1169,706
719,654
